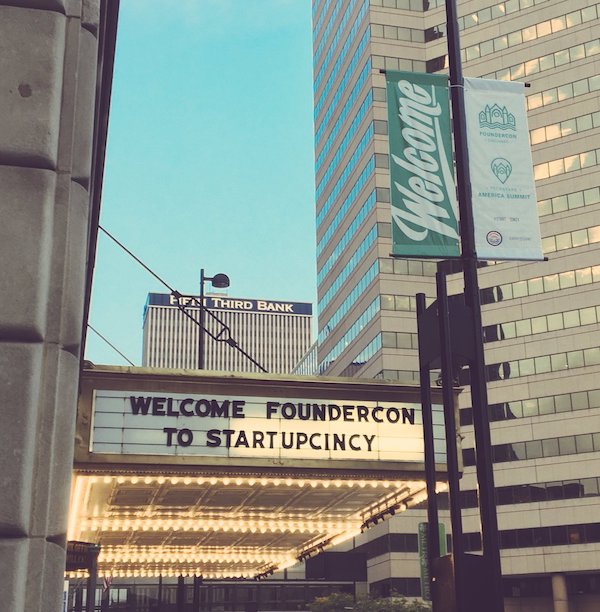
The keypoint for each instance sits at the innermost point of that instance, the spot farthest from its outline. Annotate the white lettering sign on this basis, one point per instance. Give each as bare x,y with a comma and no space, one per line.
278,428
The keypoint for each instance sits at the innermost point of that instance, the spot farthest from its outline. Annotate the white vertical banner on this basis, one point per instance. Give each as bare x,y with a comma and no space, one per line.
503,188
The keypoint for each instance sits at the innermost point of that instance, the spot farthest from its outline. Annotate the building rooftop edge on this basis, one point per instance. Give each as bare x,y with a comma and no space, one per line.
92,369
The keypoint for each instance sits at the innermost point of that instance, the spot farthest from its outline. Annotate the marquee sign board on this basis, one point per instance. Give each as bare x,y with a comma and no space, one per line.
184,418
288,465
138,422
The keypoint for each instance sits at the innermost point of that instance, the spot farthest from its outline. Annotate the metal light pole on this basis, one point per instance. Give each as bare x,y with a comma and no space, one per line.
220,281
481,425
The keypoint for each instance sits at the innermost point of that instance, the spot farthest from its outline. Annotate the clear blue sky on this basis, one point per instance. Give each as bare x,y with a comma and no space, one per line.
210,158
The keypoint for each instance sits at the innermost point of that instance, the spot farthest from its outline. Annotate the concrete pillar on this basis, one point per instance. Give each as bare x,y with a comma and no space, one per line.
48,62
560,596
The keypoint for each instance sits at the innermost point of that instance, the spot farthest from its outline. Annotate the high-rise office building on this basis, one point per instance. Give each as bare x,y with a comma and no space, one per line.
540,319
275,334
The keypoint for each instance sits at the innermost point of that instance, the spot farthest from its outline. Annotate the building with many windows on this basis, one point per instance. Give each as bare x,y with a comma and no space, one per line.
275,334
541,319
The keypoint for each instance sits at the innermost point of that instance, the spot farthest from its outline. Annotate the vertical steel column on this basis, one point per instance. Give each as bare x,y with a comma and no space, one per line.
78,607
90,600
202,321
196,595
180,605
433,544
159,595
451,442
485,473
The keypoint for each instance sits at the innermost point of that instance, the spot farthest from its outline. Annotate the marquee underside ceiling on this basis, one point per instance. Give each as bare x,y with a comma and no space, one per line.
222,526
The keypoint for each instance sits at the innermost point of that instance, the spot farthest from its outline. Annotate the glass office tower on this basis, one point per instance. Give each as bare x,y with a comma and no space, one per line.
541,319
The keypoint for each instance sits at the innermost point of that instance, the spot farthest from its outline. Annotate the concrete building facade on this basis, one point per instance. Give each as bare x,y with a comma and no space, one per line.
540,319
275,334
56,60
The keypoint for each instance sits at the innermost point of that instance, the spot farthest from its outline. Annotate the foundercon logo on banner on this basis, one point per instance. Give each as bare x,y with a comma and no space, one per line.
496,117
423,195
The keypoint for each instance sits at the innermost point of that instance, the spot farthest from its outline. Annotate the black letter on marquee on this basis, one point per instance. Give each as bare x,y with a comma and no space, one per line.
228,433
408,414
140,404
271,408
170,411
219,411
158,406
213,438
184,437
237,409
184,409
170,431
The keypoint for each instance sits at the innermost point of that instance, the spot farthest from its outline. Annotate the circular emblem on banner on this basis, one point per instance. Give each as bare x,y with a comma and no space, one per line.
494,238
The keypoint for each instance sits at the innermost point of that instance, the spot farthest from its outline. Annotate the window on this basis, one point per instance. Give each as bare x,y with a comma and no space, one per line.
382,160
534,449
566,445
584,443
379,94
550,447
380,126
590,487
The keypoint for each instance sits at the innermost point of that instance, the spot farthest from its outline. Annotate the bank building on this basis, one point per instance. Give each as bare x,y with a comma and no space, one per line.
276,334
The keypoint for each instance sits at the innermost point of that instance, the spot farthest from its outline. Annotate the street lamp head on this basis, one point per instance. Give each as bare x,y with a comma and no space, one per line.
220,281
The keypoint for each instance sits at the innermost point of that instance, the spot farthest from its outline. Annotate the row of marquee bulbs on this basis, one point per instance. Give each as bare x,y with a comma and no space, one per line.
204,525
244,481
131,554
171,573
193,514
158,555
150,570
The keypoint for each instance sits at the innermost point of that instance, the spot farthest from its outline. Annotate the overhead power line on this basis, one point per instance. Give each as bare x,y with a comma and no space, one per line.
112,346
224,335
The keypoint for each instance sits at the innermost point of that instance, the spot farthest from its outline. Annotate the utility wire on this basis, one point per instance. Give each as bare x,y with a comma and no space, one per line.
156,276
218,337
112,346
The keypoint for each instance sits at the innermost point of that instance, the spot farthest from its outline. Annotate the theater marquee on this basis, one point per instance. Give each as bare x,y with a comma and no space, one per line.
221,475
137,422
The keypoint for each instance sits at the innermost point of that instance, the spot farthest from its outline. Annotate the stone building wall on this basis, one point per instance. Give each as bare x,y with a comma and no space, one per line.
48,92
